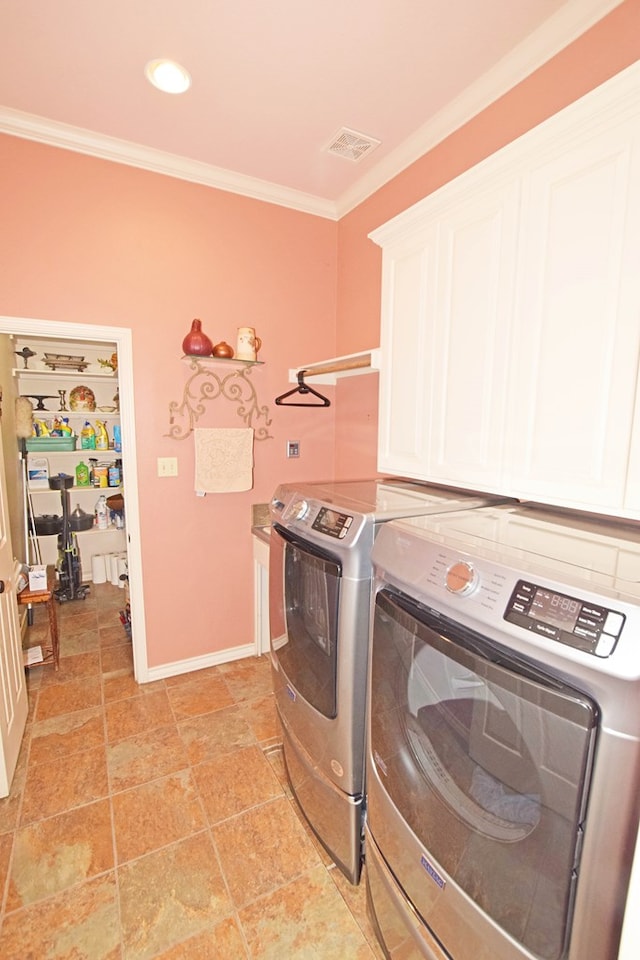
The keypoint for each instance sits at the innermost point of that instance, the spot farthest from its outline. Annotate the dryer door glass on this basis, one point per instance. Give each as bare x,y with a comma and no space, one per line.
304,633
487,761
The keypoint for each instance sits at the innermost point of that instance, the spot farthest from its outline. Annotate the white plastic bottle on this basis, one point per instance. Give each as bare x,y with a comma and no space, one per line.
102,514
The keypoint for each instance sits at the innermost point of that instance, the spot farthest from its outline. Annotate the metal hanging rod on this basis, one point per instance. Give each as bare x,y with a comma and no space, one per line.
354,363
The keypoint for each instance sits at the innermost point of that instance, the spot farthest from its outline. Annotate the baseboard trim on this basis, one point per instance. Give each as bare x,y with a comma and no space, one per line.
179,667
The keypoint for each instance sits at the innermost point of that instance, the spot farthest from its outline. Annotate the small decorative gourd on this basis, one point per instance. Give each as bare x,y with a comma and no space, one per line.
223,351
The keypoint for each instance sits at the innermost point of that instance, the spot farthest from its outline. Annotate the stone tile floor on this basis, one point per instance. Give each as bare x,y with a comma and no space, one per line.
154,821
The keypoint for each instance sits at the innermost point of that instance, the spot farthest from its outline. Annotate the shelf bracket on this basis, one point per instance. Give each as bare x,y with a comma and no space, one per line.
203,385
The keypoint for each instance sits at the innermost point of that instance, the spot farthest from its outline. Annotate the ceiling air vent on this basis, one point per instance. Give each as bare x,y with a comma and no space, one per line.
351,145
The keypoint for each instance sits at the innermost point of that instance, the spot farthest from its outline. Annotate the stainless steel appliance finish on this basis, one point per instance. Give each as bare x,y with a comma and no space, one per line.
320,589
503,760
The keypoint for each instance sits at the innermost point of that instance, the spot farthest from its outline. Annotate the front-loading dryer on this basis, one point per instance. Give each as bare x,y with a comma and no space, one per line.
321,539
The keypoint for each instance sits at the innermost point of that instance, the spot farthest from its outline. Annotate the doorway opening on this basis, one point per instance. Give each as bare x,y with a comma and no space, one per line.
121,339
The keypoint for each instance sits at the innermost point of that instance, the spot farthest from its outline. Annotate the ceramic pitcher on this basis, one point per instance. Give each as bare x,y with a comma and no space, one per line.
248,344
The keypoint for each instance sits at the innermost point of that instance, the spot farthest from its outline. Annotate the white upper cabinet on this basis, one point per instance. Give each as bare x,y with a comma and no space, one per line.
471,328
405,347
510,335
577,339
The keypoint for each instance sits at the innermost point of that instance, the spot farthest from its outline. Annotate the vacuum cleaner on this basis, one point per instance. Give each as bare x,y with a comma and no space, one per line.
70,586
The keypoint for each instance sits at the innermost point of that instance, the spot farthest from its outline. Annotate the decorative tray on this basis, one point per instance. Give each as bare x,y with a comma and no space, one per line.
61,361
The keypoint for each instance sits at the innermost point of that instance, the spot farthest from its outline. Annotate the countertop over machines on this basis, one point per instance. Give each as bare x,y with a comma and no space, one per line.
260,521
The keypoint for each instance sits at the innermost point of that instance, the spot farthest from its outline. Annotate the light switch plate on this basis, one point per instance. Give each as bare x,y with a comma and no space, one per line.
293,448
167,466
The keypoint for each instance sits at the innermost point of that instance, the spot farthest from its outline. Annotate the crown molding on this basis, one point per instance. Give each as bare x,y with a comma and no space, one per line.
573,19
561,29
31,127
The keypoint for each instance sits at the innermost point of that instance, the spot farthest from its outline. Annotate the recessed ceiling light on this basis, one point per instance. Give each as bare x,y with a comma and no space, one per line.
168,76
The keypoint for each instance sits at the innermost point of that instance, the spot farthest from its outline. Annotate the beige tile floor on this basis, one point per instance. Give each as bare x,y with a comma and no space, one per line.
154,821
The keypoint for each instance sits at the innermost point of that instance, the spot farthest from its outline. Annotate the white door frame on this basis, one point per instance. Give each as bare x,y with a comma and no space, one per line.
122,337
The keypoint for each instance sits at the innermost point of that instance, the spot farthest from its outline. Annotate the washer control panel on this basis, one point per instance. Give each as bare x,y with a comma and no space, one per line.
558,616
332,523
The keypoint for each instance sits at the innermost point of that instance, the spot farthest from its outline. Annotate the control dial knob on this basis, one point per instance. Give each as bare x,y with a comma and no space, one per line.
299,509
461,578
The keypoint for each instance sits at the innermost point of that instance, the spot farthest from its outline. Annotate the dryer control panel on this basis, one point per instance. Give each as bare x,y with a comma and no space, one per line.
332,523
577,623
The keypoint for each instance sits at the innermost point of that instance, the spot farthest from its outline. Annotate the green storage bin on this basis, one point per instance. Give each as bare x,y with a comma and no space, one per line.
51,444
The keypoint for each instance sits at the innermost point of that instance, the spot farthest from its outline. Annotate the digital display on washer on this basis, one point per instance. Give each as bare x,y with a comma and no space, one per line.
332,523
557,616
555,608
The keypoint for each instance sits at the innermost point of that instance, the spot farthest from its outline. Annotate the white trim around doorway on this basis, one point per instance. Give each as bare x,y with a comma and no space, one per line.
122,337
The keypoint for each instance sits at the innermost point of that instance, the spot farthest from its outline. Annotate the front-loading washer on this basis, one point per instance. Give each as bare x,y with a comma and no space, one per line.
503,758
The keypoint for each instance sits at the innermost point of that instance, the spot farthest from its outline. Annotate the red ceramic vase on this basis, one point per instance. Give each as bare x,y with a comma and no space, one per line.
196,343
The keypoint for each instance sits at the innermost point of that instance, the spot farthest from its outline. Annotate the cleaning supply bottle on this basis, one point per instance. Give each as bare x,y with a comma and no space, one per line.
117,438
102,437
87,437
102,513
82,475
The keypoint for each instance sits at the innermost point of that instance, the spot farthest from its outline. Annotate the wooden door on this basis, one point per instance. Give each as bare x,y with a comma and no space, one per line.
13,687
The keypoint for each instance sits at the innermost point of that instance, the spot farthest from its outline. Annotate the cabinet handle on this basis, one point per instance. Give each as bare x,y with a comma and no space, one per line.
1,586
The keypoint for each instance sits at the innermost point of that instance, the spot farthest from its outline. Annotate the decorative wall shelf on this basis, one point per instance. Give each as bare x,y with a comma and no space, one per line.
329,371
205,384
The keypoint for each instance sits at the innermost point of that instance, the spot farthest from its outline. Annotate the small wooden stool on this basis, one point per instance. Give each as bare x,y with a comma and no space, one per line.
28,596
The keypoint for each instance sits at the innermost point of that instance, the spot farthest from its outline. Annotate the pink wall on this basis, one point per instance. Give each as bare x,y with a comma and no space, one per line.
84,240
599,54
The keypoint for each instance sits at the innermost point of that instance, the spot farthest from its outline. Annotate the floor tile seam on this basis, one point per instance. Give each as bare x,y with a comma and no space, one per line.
245,810
65,713
333,871
58,682
235,910
277,888
67,756
38,903
172,725
235,749
211,926
204,830
120,865
252,807
146,783
60,813
194,716
20,806
5,893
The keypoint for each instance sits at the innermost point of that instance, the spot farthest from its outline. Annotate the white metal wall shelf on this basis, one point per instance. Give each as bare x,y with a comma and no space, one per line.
205,384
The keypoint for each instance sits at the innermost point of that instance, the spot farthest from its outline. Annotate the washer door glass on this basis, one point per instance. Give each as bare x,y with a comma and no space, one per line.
487,760
304,635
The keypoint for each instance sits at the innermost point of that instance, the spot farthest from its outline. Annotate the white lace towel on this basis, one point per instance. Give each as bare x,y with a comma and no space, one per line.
224,460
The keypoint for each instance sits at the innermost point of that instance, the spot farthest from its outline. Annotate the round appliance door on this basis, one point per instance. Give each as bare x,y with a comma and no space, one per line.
486,761
304,586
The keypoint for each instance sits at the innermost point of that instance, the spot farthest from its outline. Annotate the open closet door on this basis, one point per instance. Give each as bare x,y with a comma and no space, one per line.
13,687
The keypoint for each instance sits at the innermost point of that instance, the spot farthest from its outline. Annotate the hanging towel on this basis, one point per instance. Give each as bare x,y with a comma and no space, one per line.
224,459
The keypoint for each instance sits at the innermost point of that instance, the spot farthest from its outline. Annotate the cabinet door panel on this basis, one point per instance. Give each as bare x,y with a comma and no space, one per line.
576,354
408,292
472,320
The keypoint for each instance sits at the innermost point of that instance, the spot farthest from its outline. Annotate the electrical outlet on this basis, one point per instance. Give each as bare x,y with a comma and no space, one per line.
293,448
167,466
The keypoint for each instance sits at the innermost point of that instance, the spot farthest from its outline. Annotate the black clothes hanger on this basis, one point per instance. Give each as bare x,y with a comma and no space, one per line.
302,388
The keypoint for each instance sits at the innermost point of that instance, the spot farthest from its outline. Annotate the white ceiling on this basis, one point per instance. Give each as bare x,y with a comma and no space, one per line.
273,82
